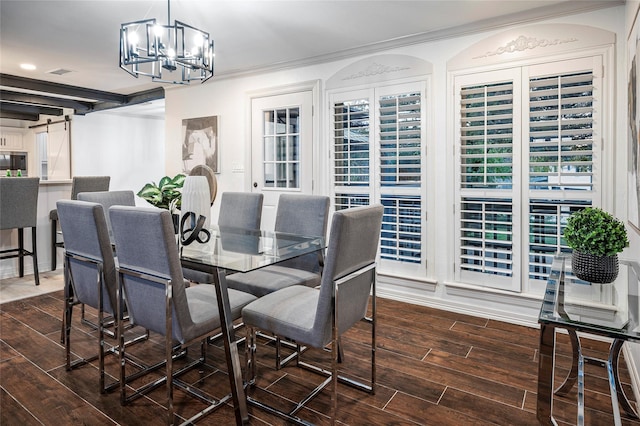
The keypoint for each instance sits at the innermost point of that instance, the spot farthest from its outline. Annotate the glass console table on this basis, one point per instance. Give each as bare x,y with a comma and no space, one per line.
609,310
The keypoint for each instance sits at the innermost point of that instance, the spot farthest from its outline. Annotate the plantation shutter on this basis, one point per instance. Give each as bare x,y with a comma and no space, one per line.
378,158
400,139
400,142
486,142
563,121
351,143
518,183
486,253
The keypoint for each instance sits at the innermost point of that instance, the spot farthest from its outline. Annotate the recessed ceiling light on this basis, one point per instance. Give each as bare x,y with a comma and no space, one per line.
28,67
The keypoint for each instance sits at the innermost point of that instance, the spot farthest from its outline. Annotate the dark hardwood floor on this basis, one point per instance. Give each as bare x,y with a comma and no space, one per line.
433,368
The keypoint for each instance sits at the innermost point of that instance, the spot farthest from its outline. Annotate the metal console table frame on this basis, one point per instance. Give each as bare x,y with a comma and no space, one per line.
558,311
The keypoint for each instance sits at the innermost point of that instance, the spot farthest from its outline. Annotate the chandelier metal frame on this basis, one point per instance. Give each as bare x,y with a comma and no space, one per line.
158,51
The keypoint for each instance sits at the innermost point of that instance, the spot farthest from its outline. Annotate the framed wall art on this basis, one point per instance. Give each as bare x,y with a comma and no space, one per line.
200,143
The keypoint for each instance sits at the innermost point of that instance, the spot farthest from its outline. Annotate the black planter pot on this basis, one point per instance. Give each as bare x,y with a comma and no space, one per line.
595,269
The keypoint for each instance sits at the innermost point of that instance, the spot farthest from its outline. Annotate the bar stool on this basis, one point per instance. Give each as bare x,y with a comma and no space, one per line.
79,184
19,209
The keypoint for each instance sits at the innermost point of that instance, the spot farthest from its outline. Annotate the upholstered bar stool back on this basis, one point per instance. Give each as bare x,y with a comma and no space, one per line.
78,184
19,210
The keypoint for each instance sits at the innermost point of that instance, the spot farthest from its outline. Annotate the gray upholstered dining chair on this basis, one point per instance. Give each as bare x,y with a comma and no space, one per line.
108,199
90,277
151,281
296,214
78,184
240,210
237,210
19,210
317,317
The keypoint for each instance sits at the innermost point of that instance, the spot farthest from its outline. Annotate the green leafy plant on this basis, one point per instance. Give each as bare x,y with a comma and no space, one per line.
167,194
592,230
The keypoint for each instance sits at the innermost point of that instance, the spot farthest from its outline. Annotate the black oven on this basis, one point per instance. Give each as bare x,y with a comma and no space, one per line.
13,161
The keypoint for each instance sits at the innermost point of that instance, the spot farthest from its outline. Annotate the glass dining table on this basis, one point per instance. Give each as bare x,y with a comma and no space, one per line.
222,250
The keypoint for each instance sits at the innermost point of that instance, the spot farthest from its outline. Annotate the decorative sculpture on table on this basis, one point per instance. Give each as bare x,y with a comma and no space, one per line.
196,210
169,193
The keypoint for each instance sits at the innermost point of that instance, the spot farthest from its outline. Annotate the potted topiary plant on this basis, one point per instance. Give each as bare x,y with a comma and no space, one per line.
596,238
167,194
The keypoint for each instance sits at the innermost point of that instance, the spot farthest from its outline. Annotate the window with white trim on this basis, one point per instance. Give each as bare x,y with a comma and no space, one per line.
378,145
281,142
527,158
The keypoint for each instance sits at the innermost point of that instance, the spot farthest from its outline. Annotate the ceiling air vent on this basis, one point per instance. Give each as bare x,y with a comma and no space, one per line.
59,71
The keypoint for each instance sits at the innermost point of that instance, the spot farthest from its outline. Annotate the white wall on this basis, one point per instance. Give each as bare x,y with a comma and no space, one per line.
129,148
229,99
632,351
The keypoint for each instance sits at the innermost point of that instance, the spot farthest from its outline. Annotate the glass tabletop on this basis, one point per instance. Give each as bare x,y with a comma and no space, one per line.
606,309
243,250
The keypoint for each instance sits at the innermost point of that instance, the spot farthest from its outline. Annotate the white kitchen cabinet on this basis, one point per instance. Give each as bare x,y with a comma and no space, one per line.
11,141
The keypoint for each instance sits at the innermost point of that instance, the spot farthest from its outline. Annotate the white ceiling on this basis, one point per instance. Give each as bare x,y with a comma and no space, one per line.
83,35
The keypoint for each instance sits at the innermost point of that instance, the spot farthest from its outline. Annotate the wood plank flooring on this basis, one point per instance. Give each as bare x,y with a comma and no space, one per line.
433,368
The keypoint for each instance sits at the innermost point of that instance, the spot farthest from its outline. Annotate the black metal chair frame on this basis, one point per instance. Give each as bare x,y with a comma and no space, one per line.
20,252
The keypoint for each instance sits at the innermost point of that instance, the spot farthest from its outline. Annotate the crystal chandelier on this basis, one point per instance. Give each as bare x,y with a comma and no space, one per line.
177,53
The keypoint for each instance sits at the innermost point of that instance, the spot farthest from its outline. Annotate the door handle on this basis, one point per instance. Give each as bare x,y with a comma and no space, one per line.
255,184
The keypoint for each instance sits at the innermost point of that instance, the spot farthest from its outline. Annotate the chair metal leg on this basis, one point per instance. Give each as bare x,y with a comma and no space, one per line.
332,375
21,251
278,354
280,362
34,255
334,388
66,326
168,351
250,357
54,247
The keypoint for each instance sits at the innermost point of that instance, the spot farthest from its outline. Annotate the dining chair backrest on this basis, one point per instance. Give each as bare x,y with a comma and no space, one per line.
240,210
81,184
108,199
145,243
85,231
353,244
303,215
18,202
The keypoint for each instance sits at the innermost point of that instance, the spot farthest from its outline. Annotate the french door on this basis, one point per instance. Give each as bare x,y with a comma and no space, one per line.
281,148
